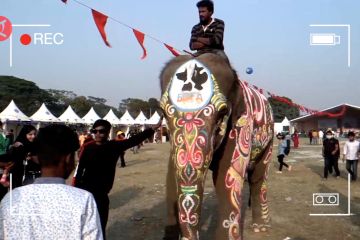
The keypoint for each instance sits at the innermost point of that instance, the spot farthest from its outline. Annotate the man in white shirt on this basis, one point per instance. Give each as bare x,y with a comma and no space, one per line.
48,208
321,136
351,154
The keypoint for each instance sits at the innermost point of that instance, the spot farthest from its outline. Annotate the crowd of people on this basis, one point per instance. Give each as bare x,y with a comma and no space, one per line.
331,151
316,136
40,162
331,154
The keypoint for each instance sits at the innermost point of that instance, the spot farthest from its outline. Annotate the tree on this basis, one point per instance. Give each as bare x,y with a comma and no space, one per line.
282,109
154,105
97,101
26,94
99,105
134,106
62,98
29,97
81,105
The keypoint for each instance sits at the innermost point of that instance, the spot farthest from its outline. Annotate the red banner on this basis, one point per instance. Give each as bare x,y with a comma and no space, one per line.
100,21
140,37
172,50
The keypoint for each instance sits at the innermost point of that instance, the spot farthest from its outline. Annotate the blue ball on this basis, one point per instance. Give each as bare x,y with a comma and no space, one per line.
249,70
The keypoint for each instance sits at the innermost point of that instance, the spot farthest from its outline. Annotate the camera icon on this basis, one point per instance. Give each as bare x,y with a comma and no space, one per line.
325,199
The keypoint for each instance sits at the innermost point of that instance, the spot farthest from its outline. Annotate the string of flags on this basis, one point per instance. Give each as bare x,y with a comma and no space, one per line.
298,106
100,20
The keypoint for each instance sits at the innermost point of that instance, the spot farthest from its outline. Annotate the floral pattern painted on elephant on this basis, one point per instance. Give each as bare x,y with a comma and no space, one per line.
214,121
189,138
252,134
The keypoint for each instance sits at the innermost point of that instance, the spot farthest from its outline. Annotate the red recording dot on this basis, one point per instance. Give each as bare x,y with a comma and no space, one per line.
25,39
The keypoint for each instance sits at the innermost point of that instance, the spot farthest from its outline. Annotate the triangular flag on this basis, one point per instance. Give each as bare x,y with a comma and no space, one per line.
64,1
140,37
100,21
172,50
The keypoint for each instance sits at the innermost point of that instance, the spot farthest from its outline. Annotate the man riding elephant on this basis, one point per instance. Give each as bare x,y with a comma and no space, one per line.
207,36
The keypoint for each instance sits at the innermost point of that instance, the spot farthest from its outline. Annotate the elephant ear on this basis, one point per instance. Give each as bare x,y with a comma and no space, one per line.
237,103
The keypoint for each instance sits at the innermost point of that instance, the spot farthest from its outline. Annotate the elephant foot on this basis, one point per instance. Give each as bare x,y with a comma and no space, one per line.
259,227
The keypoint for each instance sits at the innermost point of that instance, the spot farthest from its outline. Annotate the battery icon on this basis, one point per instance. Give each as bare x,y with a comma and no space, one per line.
325,39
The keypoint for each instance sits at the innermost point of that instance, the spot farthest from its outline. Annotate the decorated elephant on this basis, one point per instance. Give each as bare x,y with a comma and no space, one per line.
215,121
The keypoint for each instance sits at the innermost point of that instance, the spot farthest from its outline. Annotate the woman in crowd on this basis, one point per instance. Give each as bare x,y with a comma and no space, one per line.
281,152
295,139
25,167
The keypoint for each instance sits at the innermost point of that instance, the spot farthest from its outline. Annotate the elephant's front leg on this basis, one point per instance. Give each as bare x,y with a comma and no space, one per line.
172,228
258,190
189,205
229,185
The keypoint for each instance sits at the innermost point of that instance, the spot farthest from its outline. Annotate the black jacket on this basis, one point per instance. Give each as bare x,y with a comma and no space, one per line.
97,163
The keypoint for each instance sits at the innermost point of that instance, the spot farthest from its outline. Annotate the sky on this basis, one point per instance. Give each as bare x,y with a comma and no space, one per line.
271,36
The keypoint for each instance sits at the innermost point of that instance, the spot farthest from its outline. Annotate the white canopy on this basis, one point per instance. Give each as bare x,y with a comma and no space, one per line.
127,119
141,119
69,116
285,122
44,115
154,118
279,127
164,123
13,113
111,117
91,116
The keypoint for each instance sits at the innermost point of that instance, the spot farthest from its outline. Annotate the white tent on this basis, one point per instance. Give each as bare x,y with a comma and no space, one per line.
154,119
141,119
69,116
91,116
282,126
13,113
126,119
44,115
164,123
111,117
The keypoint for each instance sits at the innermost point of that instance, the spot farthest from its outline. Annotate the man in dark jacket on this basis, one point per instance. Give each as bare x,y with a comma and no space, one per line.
331,153
97,164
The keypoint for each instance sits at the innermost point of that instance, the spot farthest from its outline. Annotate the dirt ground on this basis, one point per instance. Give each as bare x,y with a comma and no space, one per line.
137,206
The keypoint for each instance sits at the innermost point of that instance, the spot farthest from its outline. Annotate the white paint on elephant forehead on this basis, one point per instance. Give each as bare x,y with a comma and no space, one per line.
191,87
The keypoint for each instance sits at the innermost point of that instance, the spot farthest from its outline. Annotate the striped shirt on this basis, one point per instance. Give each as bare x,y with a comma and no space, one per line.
214,31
